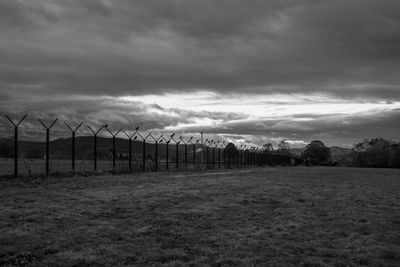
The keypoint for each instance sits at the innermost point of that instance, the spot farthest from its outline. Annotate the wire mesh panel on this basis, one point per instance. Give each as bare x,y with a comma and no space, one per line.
6,150
32,151
60,144
150,155
161,156
122,154
83,152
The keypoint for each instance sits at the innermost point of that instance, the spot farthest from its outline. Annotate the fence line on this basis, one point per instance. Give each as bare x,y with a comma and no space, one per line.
128,151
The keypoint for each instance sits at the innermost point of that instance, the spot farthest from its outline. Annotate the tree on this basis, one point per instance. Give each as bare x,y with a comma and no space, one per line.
268,147
283,148
230,150
376,152
316,153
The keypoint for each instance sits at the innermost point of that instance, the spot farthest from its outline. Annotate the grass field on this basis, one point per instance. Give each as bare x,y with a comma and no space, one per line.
273,216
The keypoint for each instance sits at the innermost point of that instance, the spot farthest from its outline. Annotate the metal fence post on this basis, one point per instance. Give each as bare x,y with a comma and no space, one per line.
156,156
186,151
177,155
241,158
194,155
219,155
156,152
130,146
73,131
223,158
177,151
144,148
186,160
167,146
95,143
213,157
207,160
130,154
194,150
47,144
237,158
113,142
144,155
167,142
202,151
16,142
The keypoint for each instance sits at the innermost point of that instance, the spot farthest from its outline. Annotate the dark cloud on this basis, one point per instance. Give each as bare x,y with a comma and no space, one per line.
127,47
58,50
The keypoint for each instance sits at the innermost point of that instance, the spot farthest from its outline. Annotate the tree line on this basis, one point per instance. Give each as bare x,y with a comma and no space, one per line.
375,152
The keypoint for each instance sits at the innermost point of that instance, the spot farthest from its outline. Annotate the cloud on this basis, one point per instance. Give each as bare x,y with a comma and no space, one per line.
140,47
98,60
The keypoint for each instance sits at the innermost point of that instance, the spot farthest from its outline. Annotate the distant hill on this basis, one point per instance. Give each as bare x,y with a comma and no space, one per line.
61,149
84,148
297,151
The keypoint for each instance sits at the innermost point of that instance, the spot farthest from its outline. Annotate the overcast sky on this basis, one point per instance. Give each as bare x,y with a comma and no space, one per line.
254,71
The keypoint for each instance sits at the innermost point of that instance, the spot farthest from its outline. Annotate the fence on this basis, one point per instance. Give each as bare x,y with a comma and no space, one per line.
44,148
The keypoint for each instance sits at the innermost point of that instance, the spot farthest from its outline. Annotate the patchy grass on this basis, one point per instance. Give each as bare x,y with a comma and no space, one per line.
274,216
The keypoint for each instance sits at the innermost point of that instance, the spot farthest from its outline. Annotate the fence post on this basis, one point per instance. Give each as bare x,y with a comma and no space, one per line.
194,155
213,157
113,142
16,142
186,152
156,152
194,151
177,151
223,158
130,147
241,158
186,160
257,158
207,160
144,148
249,158
177,155
47,144
156,156
144,155
95,143
73,131
237,158
95,152
130,154
202,151
229,158
167,142
219,158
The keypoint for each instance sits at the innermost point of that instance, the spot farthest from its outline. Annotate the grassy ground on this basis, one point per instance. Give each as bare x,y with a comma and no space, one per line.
274,217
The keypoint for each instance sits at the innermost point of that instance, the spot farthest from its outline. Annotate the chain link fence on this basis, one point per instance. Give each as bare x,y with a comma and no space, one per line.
55,147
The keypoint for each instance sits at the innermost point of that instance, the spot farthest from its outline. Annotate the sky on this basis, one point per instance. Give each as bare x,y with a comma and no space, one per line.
254,71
